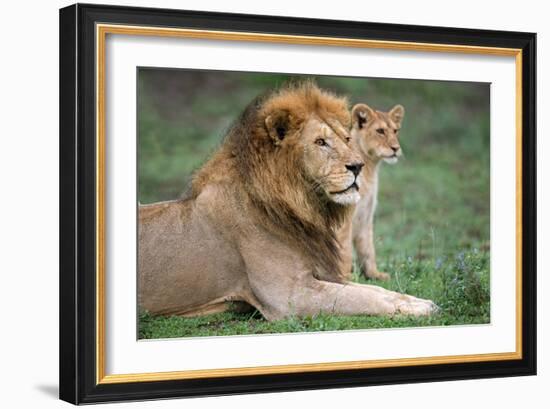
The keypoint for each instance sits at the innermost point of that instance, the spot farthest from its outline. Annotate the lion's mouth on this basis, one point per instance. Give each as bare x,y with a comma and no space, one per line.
353,186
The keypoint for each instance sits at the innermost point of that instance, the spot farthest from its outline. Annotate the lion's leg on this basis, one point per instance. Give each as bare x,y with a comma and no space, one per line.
316,297
284,286
363,236
239,307
363,241
277,293
354,299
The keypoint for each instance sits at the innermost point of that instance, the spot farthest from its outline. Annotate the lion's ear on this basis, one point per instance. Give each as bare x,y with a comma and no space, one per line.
361,114
397,113
277,126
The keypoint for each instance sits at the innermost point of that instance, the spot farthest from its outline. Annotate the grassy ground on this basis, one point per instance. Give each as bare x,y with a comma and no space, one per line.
432,221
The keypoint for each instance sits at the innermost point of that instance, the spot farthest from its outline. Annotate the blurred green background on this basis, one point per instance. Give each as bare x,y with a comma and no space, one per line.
432,220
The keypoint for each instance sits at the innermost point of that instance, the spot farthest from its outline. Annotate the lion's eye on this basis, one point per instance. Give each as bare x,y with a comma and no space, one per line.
348,139
380,131
321,142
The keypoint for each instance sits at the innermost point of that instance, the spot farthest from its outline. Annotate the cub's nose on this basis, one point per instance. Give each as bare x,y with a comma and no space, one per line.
355,168
395,148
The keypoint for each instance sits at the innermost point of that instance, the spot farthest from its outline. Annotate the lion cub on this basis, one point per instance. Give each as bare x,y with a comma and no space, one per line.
376,134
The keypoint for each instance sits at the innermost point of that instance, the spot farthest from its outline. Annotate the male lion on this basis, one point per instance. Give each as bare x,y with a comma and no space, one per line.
376,134
259,223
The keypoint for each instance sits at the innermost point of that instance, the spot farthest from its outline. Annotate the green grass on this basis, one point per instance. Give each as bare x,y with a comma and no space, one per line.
459,286
432,221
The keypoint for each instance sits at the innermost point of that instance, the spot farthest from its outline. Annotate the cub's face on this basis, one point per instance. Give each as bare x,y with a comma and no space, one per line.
377,133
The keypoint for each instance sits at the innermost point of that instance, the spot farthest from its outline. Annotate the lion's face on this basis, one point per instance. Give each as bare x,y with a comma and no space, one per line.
377,133
329,161
322,148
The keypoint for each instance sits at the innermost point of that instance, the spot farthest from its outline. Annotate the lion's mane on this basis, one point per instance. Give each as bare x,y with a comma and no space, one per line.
283,198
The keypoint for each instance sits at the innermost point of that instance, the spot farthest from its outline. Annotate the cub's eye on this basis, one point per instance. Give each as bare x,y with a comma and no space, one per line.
320,142
348,139
380,131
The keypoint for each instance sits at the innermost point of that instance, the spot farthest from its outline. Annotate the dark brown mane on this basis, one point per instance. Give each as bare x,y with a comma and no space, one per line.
274,179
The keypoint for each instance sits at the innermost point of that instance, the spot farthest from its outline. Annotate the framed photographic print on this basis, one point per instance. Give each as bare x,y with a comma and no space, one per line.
256,203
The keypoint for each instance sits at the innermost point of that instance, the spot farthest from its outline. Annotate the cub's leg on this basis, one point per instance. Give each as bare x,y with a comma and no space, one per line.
363,239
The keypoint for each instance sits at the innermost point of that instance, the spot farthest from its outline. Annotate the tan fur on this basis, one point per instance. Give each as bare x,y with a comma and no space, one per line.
374,148
263,220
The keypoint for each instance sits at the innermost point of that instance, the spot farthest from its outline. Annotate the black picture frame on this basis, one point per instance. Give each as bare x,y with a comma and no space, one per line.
78,360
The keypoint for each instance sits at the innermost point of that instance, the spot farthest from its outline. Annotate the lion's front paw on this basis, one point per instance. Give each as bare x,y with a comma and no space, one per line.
417,307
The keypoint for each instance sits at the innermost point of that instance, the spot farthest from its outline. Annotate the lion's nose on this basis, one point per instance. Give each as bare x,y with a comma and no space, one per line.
395,148
355,168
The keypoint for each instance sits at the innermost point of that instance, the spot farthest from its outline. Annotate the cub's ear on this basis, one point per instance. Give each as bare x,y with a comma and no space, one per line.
277,126
397,113
361,114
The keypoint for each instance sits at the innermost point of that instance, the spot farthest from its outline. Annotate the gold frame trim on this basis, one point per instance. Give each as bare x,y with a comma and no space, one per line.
101,33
